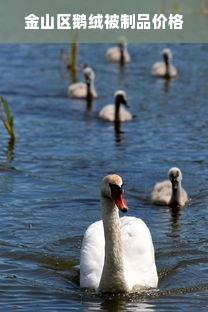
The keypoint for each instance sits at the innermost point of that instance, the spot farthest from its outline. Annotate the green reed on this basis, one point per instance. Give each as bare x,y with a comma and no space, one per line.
7,118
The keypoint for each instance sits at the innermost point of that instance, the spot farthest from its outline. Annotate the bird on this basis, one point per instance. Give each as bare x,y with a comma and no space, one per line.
165,69
170,192
117,254
116,112
81,89
119,54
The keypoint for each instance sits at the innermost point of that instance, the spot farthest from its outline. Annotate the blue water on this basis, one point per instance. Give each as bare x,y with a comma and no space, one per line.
50,178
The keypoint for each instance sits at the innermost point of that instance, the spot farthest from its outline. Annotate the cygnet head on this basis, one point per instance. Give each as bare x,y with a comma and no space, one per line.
122,42
120,97
88,74
167,56
112,188
175,177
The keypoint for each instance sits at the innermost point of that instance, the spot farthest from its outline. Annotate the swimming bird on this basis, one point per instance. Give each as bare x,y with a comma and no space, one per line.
119,53
116,112
117,254
81,89
165,69
170,192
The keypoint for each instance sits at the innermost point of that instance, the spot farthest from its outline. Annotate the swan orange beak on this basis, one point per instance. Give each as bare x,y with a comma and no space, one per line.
117,195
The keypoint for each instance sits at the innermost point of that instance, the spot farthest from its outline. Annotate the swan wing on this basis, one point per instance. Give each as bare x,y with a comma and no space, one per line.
158,69
92,256
108,112
184,197
138,252
161,193
113,54
173,71
77,89
124,114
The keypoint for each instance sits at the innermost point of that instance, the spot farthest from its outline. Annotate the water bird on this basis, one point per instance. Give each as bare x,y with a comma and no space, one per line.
165,69
116,112
117,254
119,54
84,89
170,192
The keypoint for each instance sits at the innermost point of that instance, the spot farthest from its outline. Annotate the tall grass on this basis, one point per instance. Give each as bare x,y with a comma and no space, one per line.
7,118
73,58
74,53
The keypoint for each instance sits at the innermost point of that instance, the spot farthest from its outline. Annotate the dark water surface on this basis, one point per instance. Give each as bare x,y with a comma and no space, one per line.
49,186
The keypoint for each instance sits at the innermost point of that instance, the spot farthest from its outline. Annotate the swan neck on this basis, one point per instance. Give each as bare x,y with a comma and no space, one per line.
90,87
122,51
117,109
167,70
89,96
176,193
112,279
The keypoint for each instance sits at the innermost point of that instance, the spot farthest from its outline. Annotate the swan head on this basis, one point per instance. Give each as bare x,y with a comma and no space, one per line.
121,98
167,56
88,74
175,177
122,42
112,188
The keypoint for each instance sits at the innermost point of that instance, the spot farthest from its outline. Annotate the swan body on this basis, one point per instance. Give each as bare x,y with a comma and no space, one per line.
118,54
117,254
116,112
165,69
170,192
81,89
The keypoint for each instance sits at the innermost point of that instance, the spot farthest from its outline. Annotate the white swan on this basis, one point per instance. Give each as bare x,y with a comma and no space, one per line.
165,69
116,112
117,254
81,89
170,192
119,53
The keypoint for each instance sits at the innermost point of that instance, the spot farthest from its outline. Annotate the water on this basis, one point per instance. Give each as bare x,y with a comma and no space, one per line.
50,179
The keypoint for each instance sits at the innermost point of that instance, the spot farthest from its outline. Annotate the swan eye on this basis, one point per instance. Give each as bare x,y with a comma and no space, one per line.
116,188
